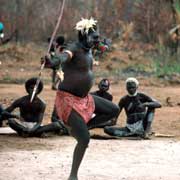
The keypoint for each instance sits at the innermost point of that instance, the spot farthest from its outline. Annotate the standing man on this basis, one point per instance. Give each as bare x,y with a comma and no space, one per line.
74,105
140,110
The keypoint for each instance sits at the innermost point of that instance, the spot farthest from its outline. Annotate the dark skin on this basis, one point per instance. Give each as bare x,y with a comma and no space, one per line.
131,88
136,105
78,80
29,112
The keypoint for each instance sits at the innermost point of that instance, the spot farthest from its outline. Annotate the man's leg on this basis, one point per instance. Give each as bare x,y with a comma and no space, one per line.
52,127
80,132
105,111
148,121
117,131
21,130
54,118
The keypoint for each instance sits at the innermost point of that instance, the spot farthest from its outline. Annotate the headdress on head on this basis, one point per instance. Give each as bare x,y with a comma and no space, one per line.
85,25
132,79
32,81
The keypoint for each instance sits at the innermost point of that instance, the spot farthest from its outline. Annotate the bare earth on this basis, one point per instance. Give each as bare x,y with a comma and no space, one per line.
121,159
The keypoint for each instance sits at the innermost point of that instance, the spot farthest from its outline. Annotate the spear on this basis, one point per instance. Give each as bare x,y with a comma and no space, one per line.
49,47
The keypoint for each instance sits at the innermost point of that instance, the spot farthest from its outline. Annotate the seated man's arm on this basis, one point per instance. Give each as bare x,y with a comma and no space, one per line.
150,102
7,112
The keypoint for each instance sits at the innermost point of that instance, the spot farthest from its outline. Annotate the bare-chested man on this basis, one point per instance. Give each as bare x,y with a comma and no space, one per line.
74,105
139,109
31,113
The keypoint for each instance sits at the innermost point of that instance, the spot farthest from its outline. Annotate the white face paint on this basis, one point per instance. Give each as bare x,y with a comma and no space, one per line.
2,35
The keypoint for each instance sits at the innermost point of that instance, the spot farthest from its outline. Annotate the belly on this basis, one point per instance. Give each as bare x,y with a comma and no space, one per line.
77,83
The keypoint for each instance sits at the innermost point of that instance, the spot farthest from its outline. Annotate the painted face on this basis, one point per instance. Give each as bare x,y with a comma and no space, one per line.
131,87
104,85
92,39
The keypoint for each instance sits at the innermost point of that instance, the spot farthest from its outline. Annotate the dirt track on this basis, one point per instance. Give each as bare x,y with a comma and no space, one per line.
50,158
44,159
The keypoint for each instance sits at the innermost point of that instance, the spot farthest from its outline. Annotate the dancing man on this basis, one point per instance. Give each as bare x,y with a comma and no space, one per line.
74,105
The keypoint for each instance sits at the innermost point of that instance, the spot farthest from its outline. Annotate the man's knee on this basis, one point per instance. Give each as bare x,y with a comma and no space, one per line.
115,110
11,122
84,140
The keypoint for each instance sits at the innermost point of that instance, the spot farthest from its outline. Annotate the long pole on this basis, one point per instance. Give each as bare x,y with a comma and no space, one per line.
49,47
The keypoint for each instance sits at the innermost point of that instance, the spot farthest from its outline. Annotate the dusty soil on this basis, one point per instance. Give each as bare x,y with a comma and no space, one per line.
122,159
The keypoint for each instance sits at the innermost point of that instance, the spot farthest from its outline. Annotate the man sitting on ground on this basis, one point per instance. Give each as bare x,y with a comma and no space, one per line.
103,86
139,109
31,113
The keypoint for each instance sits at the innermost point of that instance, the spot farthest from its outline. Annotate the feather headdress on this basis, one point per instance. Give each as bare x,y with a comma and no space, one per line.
85,25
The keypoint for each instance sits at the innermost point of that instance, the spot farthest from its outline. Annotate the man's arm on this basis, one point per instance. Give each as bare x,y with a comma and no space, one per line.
150,102
6,114
14,105
60,58
56,60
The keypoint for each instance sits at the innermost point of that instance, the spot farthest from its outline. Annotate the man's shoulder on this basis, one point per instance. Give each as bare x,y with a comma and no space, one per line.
142,94
41,101
73,47
123,99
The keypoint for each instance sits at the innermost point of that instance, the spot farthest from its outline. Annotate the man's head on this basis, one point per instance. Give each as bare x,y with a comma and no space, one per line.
30,83
1,30
104,85
60,40
132,86
88,32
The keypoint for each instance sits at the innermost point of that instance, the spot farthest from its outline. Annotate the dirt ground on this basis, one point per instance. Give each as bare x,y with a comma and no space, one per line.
122,159
112,159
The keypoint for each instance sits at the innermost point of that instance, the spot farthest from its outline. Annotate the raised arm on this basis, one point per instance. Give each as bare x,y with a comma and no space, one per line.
62,57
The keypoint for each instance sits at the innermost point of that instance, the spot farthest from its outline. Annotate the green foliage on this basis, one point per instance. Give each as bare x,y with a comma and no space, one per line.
177,5
164,63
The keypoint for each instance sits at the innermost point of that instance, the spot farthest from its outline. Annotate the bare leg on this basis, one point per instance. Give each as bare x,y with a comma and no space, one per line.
80,132
148,123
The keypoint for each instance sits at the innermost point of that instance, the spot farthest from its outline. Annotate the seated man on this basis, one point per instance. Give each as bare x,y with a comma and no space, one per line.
31,113
139,109
103,86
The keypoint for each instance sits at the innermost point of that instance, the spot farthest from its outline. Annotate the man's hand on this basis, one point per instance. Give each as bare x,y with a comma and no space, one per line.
143,105
47,60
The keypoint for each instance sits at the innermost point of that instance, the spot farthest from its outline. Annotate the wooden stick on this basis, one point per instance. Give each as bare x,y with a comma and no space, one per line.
49,47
